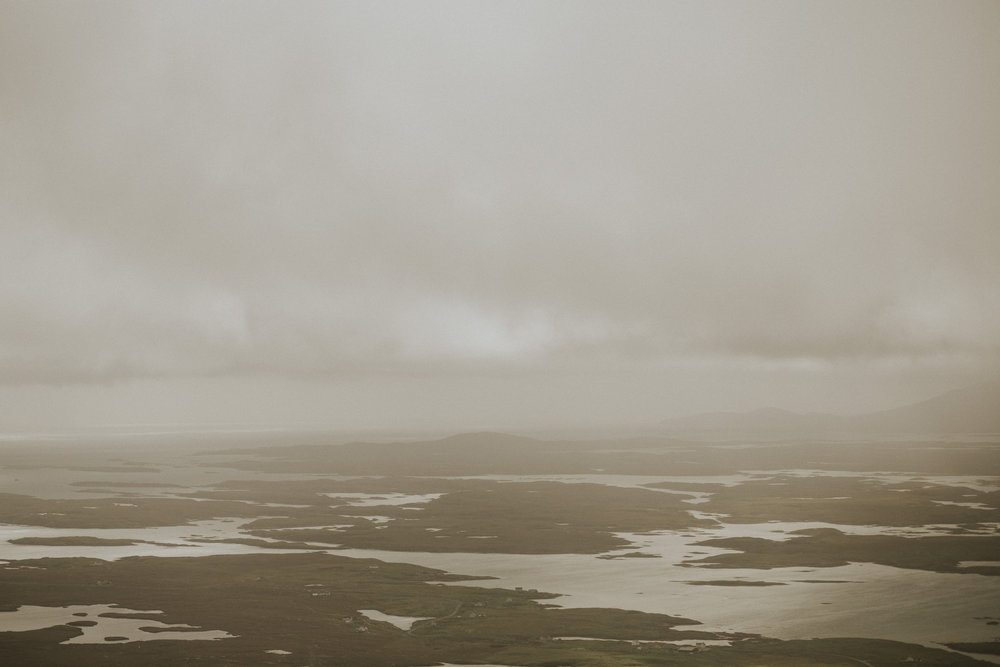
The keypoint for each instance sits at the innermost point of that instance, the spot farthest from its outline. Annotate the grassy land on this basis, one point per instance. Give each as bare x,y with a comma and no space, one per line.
77,541
472,516
267,599
269,602
825,547
850,500
985,648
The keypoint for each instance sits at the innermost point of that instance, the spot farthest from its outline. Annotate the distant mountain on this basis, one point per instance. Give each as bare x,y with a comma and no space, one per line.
973,409
764,419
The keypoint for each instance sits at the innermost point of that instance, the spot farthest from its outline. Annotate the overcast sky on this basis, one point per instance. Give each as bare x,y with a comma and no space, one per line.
489,214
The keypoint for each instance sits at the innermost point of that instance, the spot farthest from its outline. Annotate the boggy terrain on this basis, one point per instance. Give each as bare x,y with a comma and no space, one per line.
307,608
828,547
502,454
723,507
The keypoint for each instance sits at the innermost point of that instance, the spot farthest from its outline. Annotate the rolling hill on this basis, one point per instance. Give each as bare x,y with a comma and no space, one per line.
974,409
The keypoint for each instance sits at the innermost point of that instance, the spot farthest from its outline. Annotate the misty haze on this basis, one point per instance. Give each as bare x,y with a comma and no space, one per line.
506,334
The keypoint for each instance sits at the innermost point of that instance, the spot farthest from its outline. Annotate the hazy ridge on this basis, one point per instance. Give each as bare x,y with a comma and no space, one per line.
974,409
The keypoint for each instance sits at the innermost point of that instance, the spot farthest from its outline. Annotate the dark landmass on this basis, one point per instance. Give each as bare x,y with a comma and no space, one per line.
131,614
82,468
851,500
268,599
530,517
110,513
117,469
82,541
521,517
137,485
826,547
630,554
983,648
734,582
249,541
173,628
268,602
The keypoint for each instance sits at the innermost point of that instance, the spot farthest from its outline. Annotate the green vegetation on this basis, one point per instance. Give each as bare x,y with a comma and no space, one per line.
491,517
849,500
826,547
630,554
79,541
984,648
734,582
112,513
307,604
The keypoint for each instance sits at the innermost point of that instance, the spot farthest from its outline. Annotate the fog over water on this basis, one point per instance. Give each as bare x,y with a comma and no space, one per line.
457,215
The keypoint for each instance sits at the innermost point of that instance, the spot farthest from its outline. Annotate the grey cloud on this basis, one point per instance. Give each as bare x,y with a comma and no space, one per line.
370,188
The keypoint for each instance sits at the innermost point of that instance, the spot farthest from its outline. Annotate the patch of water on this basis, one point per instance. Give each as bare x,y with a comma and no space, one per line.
30,617
784,530
169,541
401,622
380,499
624,481
975,506
374,518
909,605
984,483
673,642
